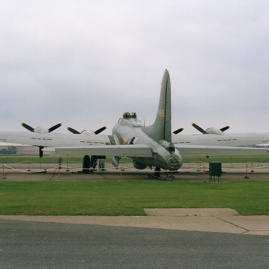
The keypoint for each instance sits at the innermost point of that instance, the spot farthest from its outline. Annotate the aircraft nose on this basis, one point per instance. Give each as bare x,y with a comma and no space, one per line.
174,161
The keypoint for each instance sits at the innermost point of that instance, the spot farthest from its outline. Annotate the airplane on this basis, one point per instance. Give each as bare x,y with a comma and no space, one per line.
156,146
148,146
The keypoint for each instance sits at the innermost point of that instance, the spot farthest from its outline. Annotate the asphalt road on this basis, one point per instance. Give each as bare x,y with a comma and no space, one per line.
26,244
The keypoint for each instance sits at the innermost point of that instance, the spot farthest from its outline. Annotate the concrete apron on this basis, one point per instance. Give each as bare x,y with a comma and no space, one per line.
223,220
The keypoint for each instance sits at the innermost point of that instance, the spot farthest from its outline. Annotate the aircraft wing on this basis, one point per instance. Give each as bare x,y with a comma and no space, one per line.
145,151
111,150
196,150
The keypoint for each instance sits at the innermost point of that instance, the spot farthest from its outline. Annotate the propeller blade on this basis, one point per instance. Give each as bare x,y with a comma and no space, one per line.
31,129
178,131
131,142
51,129
225,128
100,130
73,130
198,128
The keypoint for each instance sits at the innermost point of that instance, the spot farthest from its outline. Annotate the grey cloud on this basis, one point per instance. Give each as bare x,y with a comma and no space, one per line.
84,63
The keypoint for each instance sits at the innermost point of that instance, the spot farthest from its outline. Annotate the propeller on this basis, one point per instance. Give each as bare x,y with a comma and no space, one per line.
41,129
98,131
31,129
56,126
73,130
178,131
201,130
210,130
225,128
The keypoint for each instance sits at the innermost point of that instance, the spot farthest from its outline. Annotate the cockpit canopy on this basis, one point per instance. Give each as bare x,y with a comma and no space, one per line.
128,115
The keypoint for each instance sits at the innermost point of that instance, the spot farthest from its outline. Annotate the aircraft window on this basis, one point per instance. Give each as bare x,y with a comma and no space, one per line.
95,142
39,138
107,144
82,141
33,138
49,139
43,138
181,142
188,142
219,140
234,139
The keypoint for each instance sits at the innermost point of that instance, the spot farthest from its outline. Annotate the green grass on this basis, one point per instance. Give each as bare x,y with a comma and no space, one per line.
129,197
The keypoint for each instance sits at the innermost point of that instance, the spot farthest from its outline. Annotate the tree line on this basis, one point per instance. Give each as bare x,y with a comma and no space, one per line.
11,150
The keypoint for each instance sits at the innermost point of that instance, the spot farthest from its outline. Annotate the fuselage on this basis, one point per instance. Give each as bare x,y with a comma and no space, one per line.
130,131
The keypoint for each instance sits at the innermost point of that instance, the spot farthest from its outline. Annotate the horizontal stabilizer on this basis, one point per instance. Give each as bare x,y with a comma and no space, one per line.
113,150
188,151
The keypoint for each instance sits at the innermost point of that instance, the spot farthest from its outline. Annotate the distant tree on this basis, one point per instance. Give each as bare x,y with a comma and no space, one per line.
11,150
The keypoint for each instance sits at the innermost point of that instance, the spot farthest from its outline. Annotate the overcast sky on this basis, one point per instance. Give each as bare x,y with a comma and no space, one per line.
85,63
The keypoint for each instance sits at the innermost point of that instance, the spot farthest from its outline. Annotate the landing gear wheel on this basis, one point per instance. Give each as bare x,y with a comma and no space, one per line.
157,172
86,164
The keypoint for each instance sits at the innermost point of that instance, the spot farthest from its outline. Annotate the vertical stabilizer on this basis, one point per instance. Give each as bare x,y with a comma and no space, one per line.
161,128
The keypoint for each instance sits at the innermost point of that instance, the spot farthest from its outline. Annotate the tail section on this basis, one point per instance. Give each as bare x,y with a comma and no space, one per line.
161,128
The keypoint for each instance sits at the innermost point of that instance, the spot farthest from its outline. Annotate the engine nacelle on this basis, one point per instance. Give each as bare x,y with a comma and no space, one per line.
89,133
139,166
41,130
213,130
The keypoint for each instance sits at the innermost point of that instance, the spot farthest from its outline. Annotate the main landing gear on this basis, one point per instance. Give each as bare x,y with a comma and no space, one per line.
86,164
89,163
157,175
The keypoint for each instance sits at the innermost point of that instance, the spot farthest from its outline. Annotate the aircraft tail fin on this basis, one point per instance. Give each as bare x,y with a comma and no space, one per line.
161,128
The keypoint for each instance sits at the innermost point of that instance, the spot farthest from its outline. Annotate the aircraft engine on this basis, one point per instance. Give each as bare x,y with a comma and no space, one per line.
213,130
139,166
41,129
74,131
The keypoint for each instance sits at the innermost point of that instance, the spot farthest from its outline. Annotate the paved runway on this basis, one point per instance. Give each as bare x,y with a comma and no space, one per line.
25,244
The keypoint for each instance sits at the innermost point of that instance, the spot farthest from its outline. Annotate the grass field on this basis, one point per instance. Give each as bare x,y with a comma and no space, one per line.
54,159
129,197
